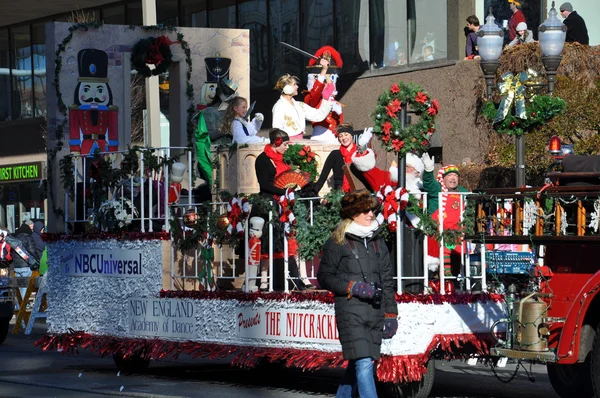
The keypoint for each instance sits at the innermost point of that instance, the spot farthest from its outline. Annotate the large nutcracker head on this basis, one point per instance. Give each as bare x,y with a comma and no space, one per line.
92,88
256,227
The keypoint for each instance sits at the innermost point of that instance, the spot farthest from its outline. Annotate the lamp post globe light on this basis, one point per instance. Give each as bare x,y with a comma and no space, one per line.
552,35
489,42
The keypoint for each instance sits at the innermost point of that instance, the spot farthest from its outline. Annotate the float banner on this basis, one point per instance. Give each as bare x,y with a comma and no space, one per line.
126,262
287,324
161,317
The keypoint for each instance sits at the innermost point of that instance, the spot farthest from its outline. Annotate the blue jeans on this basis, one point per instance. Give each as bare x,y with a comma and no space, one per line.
358,375
24,272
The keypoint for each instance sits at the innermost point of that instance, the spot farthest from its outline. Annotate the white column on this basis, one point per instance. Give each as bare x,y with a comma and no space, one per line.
152,137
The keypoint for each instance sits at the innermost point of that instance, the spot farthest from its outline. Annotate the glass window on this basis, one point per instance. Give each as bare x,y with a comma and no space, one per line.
21,63
5,104
39,69
114,14
166,12
134,13
407,32
352,34
283,19
501,11
221,14
194,13
317,25
253,16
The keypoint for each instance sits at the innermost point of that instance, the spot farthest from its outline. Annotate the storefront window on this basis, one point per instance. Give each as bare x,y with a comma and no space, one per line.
221,14
317,25
5,105
253,16
194,13
284,21
407,32
39,69
352,34
501,11
21,63
134,13
167,13
114,14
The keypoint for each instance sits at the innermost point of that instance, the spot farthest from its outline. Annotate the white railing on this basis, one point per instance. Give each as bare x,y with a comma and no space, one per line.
141,187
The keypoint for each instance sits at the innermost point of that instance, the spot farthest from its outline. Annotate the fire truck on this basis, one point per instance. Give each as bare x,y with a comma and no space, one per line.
552,302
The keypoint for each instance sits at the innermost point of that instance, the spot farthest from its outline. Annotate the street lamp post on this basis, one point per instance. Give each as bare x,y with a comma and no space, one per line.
552,35
489,42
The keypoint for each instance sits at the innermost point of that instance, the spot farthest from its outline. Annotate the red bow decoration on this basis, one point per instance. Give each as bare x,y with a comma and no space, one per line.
155,56
237,211
392,200
306,151
286,204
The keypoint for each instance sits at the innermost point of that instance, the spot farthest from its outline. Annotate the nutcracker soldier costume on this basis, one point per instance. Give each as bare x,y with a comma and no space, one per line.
93,120
320,75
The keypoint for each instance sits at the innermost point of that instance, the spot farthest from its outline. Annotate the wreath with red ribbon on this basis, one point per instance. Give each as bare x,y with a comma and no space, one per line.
388,126
392,200
152,51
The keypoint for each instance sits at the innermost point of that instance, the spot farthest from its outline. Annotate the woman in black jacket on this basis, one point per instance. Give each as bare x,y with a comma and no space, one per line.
269,164
356,268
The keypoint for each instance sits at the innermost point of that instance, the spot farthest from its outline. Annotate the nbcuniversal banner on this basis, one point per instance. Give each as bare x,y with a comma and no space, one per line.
116,262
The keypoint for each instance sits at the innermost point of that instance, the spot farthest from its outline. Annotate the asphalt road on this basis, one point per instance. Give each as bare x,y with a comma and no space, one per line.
27,371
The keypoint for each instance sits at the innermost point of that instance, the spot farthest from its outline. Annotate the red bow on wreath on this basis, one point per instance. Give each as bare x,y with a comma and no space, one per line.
306,151
237,211
392,200
154,56
286,204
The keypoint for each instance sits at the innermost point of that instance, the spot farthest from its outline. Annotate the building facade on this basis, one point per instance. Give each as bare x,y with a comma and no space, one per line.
374,37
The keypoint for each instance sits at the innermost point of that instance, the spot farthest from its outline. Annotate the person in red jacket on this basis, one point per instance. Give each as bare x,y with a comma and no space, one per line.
324,130
516,18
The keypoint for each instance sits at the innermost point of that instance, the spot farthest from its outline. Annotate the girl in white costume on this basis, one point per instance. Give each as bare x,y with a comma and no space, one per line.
290,115
234,123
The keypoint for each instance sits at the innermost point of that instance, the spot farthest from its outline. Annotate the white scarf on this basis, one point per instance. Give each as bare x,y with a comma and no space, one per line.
362,231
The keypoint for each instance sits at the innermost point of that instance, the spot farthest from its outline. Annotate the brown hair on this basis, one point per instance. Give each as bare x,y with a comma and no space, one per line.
277,133
473,20
226,127
347,128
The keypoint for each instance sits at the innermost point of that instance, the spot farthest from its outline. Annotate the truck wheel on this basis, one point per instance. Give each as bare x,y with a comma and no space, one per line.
416,389
4,326
131,364
572,380
594,359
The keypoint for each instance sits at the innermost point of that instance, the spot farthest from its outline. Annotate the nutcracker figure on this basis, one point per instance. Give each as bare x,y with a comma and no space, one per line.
93,120
320,74
254,245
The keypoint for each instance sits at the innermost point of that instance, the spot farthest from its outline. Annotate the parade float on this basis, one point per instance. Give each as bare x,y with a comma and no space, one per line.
139,270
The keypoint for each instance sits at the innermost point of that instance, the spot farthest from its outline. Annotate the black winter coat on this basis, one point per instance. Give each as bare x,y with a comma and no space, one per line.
359,322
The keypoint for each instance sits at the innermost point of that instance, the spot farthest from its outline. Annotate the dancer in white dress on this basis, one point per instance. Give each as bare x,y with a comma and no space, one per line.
234,123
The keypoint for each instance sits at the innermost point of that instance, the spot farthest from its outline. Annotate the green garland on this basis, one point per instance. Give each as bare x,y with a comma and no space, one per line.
153,51
302,158
386,118
539,112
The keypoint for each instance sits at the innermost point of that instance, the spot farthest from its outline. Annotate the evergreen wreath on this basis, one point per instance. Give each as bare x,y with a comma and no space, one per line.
302,158
539,112
387,124
154,51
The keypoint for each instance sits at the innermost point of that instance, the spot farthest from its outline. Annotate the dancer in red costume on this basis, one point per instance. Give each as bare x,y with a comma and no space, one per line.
338,158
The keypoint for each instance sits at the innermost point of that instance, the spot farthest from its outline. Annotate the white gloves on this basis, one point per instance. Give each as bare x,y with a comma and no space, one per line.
365,137
259,116
428,161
